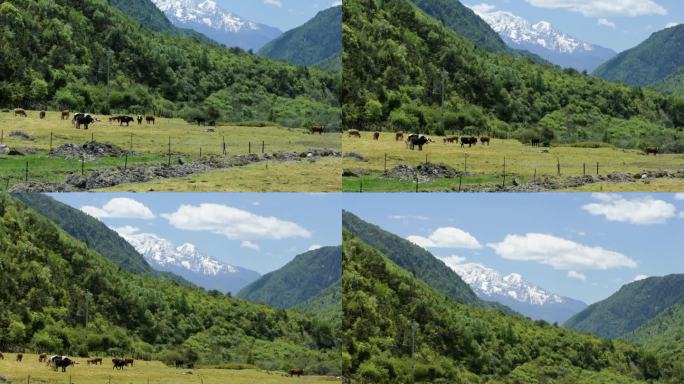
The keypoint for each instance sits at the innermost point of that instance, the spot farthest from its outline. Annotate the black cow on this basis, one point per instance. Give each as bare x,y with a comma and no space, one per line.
140,119
62,362
83,119
417,140
179,363
468,140
118,363
125,119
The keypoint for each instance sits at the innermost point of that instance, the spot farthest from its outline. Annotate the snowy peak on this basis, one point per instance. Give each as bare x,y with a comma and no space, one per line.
159,251
206,12
487,282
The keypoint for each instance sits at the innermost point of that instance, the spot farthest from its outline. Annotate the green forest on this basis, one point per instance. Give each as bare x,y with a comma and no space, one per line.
60,54
400,63
60,296
397,329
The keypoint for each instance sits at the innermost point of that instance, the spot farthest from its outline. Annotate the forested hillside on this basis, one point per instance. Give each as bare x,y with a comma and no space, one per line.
653,60
663,334
314,42
326,305
299,280
55,53
630,307
672,84
60,296
396,59
388,314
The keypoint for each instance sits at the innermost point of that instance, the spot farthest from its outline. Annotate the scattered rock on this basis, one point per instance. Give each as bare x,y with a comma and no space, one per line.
424,172
21,134
34,186
355,172
4,149
90,150
355,155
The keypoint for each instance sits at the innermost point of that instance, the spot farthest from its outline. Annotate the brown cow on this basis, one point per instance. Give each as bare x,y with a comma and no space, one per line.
95,361
451,140
653,150
20,357
129,362
376,135
399,136
317,129
19,112
65,115
149,118
2,357
42,358
296,372
354,132
42,114
485,139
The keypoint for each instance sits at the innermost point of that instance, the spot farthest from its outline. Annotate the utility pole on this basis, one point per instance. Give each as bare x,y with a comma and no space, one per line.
109,59
445,75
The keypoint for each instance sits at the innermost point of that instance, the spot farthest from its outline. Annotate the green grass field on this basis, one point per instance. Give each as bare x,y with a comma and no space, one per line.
485,164
149,145
142,372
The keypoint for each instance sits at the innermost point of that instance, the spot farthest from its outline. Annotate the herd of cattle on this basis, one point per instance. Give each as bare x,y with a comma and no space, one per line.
85,119
417,140
57,362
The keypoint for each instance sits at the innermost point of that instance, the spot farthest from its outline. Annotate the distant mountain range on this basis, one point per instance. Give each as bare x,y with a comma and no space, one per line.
546,41
208,18
316,42
187,261
521,296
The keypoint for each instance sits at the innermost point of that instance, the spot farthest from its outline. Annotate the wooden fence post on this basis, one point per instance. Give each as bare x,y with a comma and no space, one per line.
584,169
535,174
50,141
465,162
460,180
92,136
426,158
263,146
385,163
558,166
360,185
2,136
82,165
169,151
503,184
130,146
416,181
224,145
249,148
597,168
200,152
26,173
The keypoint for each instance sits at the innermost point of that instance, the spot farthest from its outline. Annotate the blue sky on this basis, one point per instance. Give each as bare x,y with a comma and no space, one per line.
599,242
616,24
281,225
282,14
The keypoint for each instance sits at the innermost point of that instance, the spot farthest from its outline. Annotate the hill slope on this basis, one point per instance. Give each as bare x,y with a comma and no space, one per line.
630,307
56,54
395,57
315,41
299,280
387,312
672,84
47,279
653,60
327,304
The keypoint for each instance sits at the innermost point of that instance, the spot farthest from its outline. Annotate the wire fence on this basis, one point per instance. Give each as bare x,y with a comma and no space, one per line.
183,377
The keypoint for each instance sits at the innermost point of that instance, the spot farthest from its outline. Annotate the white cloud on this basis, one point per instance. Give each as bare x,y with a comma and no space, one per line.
606,23
120,208
679,196
127,230
314,247
604,8
640,277
337,3
277,3
234,223
409,217
577,275
482,7
250,245
446,237
559,253
671,24
453,260
635,211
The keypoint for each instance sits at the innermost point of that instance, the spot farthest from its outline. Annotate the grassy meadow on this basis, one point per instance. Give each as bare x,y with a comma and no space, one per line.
485,164
142,372
149,145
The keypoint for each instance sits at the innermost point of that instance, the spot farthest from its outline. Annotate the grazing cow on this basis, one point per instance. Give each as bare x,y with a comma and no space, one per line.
65,115
535,141
653,150
354,132
129,361
83,119
468,140
140,119
200,121
62,362
19,112
125,119
317,129
2,357
95,361
42,358
179,363
417,140
296,372
376,135
42,114
114,118
20,357
485,139
399,136
451,140
118,363
149,118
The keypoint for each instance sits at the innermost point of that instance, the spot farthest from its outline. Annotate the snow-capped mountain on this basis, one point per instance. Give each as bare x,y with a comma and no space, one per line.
544,40
205,16
187,261
512,290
